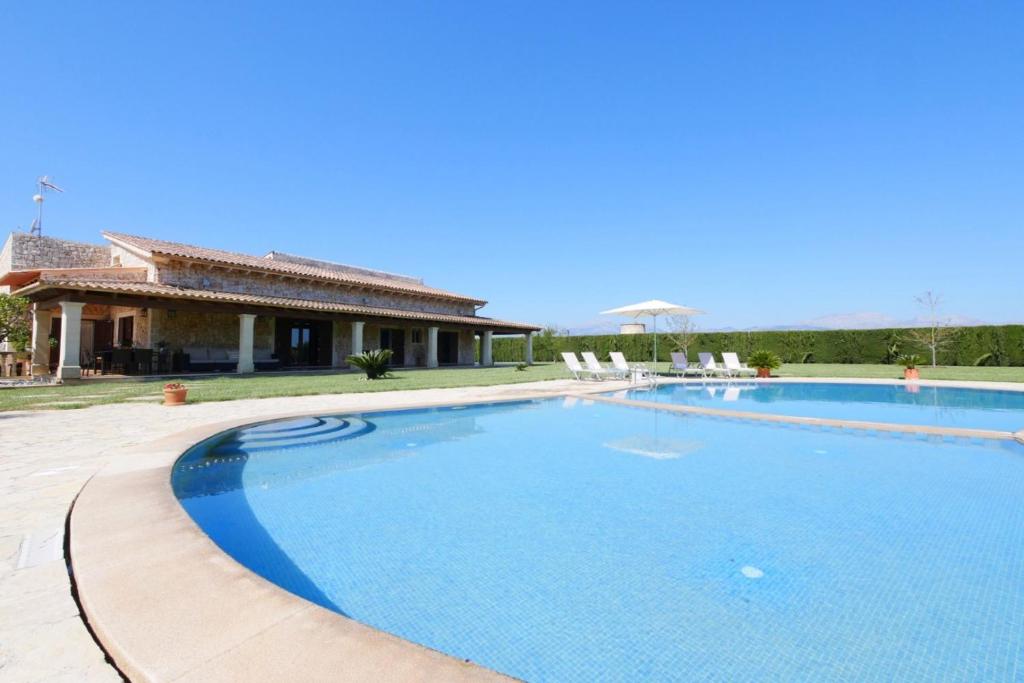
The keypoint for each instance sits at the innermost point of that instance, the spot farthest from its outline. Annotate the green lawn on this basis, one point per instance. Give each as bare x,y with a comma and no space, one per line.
230,387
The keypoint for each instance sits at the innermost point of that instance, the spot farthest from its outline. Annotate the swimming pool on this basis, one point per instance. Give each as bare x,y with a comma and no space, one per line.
570,540
898,403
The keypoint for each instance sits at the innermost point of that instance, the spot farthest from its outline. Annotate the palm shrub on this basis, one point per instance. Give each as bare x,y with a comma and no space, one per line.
764,360
910,360
373,363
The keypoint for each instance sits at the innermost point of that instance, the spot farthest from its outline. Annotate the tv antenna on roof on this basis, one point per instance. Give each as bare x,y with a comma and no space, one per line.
44,185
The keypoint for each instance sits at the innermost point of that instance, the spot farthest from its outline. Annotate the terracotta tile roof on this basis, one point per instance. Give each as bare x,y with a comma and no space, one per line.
172,292
229,258
17,278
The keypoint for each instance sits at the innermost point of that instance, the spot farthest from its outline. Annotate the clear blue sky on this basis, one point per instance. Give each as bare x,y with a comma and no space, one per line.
769,162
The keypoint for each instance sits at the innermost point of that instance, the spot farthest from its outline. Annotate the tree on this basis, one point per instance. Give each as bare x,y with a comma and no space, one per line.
15,322
936,333
682,332
893,343
544,345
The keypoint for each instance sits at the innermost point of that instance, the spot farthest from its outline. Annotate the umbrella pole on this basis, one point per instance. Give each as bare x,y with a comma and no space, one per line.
654,368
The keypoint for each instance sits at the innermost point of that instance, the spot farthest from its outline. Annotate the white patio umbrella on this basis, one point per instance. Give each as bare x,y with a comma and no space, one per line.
653,308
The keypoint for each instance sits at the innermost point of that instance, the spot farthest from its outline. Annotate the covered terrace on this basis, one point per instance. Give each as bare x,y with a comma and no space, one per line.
248,332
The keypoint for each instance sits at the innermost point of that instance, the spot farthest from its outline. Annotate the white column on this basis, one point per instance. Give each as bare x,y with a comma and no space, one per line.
357,338
246,341
431,347
41,342
486,357
70,339
529,348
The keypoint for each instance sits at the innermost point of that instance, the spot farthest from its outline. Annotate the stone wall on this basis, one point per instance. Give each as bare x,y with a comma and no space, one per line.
223,280
416,353
341,340
467,347
26,252
179,329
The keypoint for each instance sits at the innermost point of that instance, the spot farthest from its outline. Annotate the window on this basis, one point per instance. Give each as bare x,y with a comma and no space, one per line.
417,336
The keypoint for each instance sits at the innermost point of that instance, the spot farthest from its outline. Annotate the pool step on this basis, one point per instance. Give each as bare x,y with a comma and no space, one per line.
261,435
310,432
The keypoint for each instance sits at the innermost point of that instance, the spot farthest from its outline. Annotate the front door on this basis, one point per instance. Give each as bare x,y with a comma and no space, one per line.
447,348
394,339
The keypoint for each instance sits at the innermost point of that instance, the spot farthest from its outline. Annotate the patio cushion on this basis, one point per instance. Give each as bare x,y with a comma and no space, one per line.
197,353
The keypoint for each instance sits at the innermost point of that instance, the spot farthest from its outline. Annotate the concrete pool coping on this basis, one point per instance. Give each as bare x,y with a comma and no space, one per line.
167,604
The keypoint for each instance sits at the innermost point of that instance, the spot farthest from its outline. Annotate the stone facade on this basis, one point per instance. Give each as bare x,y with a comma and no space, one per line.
341,338
26,252
181,329
184,274
467,347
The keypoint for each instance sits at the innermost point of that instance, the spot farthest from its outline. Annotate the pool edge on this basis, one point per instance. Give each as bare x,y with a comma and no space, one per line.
133,546
167,604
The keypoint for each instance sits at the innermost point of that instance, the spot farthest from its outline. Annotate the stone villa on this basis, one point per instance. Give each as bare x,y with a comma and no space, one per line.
146,306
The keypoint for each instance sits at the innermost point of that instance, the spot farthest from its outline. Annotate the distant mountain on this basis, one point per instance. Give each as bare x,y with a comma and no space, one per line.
603,325
864,320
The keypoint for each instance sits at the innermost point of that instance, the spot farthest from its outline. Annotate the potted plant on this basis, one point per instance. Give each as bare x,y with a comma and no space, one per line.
175,394
910,361
765,361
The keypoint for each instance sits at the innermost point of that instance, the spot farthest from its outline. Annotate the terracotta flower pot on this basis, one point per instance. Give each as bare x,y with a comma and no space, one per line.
911,373
175,397
764,372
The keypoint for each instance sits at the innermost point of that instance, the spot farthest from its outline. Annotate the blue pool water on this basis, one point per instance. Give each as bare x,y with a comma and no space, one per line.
564,540
901,403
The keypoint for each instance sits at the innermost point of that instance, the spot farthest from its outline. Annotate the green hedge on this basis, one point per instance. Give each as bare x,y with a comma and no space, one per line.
988,345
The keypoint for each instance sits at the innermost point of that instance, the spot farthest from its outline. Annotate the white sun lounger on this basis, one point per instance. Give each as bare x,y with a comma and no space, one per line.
620,364
735,367
575,369
707,361
681,365
594,366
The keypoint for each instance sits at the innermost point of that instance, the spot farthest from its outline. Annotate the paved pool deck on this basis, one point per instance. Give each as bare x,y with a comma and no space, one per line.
47,458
